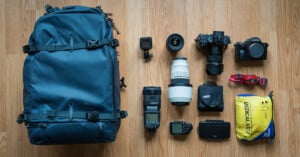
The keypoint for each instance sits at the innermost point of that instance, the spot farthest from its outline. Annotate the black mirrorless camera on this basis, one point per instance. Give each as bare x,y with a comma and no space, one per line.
215,44
251,49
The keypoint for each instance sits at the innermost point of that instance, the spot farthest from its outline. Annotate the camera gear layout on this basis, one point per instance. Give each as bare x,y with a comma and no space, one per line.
210,95
78,110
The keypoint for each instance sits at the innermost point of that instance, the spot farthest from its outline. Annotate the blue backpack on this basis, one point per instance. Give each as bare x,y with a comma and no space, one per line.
71,78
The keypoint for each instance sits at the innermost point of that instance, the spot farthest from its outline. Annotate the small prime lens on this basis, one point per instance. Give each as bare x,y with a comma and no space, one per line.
180,89
175,42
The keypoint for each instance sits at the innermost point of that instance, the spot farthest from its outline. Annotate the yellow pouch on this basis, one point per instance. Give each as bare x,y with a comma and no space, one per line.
254,117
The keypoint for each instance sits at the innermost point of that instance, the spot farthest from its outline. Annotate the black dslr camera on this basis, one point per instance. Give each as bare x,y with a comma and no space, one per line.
215,44
251,49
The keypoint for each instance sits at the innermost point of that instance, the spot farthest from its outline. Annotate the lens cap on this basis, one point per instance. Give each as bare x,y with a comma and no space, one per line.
256,50
175,42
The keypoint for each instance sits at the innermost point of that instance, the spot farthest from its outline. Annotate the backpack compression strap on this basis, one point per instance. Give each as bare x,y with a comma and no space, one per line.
93,116
89,44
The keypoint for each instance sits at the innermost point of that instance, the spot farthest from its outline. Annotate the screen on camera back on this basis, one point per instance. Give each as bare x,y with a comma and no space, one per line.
152,117
177,128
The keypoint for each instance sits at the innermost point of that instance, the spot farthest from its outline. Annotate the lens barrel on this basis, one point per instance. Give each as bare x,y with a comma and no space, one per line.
214,65
180,89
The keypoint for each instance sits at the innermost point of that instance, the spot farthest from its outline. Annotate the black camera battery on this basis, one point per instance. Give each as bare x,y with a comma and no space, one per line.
210,97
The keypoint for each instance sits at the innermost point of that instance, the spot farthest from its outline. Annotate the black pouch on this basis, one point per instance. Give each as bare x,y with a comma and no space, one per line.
214,129
210,97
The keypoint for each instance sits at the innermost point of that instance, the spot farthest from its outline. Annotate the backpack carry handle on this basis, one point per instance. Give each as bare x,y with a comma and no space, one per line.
50,9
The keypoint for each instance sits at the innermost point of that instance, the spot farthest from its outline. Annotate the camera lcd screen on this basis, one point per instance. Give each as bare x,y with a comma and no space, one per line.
151,117
177,128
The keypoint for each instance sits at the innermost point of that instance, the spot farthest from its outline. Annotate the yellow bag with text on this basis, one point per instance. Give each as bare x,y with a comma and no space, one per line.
254,117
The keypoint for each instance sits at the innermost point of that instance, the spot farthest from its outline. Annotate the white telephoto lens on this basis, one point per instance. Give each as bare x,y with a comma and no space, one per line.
180,69
180,89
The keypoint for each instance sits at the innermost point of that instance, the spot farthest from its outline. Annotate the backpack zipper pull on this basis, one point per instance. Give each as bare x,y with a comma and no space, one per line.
110,19
108,14
114,26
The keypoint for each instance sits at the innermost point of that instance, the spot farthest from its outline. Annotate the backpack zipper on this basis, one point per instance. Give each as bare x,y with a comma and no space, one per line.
113,24
110,20
113,83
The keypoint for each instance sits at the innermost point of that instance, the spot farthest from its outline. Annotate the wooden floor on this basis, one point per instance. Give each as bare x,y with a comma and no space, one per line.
274,21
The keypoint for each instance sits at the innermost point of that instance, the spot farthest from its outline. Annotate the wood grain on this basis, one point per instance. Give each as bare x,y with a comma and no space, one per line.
274,21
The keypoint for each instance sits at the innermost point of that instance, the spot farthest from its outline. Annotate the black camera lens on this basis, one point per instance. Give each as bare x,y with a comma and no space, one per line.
214,68
175,42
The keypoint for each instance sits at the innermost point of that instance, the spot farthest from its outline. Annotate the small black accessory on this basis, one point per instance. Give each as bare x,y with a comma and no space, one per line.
180,128
122,83
215,44
214,129
175,42
210,97
251,49
146,45
152,101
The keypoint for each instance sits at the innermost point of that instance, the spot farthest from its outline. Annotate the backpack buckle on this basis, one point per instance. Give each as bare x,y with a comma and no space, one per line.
21,119
92,116
114,43
26,49
123,114
93,44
